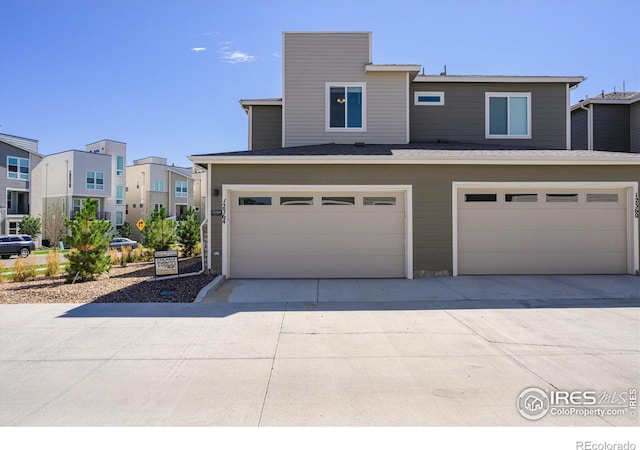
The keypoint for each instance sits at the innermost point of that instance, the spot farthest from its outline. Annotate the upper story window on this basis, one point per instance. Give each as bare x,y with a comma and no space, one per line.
508,115
119,195
95,180
428,98
17,168
346,106
158,185
119,165
182,188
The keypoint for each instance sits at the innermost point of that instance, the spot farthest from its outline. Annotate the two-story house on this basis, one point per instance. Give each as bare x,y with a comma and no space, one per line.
68,178
381,171
18,158
607,122
153,184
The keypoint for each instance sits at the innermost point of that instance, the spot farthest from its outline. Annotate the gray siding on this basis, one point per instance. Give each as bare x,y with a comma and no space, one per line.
579,129
5,151
611,127
462,117
432,221
313,59
634,124
266,127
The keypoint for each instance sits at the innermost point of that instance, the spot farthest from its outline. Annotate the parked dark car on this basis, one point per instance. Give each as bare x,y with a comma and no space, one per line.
16,244
120,242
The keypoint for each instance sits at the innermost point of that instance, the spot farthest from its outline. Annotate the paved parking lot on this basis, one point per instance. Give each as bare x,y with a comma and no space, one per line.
359,362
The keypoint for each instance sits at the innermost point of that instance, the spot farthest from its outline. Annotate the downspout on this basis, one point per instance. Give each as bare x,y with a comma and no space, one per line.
589,125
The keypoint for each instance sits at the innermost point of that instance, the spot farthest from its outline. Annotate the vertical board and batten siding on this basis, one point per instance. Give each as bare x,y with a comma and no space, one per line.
611,127
313,59
579,129
462,117
634,124
432,192
266,127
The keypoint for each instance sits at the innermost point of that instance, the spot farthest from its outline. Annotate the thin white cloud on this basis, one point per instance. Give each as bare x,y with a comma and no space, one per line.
198,49
237,57
276,55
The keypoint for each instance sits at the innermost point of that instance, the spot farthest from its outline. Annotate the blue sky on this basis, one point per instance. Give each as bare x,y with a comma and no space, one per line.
166,77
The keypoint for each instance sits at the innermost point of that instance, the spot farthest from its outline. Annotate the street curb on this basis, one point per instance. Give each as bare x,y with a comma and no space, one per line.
213,286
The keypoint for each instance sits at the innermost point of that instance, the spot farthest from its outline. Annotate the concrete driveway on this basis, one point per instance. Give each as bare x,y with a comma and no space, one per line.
394,361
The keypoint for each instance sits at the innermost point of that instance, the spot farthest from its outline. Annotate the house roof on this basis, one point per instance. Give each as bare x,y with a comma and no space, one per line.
572,81
26,144
611,98
418,153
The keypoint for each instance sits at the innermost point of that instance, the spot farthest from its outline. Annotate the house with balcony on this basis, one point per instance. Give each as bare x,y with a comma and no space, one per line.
18,158
608,122
153,184
67,179
361,169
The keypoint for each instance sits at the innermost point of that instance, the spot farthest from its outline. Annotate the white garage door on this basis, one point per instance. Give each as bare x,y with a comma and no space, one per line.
316,234
551,231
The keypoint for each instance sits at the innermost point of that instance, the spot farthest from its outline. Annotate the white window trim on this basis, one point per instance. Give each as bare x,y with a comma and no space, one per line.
161,205
118,224
155,185
119,172
180,194
417,94
633,254
95,180
18,174
120,200
228,189
327,108
487,96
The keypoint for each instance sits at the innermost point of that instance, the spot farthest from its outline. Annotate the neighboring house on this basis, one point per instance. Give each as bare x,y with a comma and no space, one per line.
382,172
18,158
153,184
67,179
608,122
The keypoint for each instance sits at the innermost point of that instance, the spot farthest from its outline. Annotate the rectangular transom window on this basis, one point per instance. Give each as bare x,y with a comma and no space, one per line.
345,106
428,98
508,115
338,200
246,201
558,198
288,201
374,201
602,198
532,198
17,168
480,198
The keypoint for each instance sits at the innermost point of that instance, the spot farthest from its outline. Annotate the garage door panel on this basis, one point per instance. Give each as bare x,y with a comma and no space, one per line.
531,241
317,266
499,263
318,245
540,219
310,223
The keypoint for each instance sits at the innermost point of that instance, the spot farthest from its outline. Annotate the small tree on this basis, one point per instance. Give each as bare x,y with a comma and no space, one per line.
189,232
90,239
126,230
55,224
159,232
31,225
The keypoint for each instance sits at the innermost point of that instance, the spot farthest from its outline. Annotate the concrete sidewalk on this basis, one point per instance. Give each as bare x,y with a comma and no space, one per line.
526,289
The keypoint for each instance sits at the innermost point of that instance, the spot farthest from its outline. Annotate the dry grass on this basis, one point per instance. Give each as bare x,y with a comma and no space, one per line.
53,263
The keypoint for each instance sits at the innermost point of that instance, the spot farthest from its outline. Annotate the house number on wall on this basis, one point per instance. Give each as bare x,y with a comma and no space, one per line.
224,211
637,206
